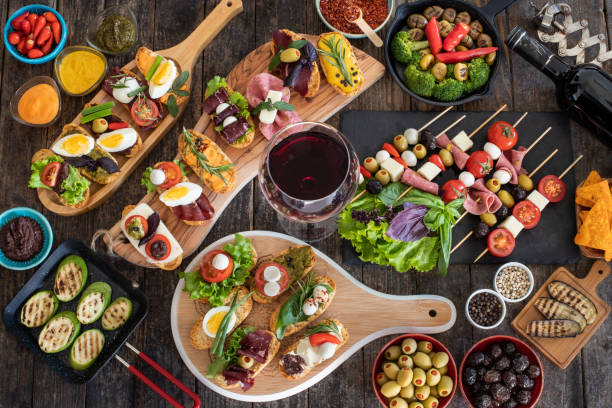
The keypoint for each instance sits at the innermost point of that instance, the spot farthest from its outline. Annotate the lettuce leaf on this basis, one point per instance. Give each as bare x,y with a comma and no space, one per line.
75,186
145,180
214,84
37,168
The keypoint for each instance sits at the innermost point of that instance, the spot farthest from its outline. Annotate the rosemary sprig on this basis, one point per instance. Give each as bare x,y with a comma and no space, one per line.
329,327
202,160
336,55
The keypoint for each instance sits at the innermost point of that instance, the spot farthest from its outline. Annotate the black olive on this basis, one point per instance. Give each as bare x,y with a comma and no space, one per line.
481,372
475,359
509,378
522,381
502,364
481,230
523,397
492,376
509,348
482,401
487,360
470,376
533,371
428,139
511,403
502,213
500,392
373,186
495,349
520,363
495,404
519,193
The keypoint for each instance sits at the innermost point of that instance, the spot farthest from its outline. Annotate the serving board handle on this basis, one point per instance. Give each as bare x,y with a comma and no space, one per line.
599,271
187,51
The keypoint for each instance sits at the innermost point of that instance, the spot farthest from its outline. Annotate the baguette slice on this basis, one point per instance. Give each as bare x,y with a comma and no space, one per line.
296,327
200,340
293,347
329,65
144,60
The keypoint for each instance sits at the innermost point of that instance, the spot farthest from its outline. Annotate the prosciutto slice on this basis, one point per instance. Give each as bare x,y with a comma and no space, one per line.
414,179
236,374
234,131
480,199
200,210
504,164
459,155
516,157
255,345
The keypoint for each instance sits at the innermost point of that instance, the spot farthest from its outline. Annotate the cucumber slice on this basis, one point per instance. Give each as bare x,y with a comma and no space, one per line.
117,314
39,308
86,348
70,278
94,300
59,332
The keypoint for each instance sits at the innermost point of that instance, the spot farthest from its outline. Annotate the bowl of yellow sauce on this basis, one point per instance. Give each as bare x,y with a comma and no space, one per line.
37,102
80,69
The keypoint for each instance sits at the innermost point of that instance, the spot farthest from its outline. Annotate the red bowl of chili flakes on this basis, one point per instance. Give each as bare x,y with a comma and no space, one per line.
335,12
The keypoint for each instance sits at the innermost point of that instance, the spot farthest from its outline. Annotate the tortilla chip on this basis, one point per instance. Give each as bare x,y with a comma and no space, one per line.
589,195
595,231
583,214
593,178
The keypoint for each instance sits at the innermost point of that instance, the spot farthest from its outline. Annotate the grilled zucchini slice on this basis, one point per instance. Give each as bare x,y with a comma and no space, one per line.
59,332
70,278
565,293
553,328
94,300
86,348
39,308
117,314
552,309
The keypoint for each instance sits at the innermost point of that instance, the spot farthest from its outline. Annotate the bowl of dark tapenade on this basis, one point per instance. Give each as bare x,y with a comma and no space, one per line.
25,238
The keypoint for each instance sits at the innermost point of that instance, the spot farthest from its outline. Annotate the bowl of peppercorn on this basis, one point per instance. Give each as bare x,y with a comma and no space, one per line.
514,281
485,309
501,371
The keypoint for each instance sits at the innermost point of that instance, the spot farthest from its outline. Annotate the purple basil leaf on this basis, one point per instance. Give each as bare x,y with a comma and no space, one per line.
407,225
108,165
152,223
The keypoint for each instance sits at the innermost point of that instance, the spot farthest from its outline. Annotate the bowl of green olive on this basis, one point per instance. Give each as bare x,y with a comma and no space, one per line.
414,371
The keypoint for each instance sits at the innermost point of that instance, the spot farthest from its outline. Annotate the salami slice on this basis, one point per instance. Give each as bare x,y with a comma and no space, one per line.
414,179
504,164
480,199
459,155
516,157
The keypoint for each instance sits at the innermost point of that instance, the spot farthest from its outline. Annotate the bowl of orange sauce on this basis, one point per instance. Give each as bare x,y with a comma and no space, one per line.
37,102
80,69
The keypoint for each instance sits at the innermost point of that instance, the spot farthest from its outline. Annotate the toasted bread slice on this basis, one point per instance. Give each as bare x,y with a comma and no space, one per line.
248,137
256,368
41,155
296,327
144,60
315,77
216,157
293,347
330,69
130,152
200,340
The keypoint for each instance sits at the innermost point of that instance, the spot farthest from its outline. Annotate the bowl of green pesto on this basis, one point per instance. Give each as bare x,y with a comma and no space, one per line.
114,31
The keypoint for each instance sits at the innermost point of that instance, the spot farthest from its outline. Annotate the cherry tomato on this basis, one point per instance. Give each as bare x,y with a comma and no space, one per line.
500,242
260,280
452,190
364,172
319,338
503,135
143,222
211,274
49,174
437,160
552,188
172,172
159,241
479,164
144,111
14,38
527,213
390,149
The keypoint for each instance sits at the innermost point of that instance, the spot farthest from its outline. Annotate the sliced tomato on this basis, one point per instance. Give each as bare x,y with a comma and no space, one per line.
437,160
552,188
158,240
527,213
49,174
211,274
143,222
479,164
452,190
319,338
503,135
144,111
500,242
260,280
172,171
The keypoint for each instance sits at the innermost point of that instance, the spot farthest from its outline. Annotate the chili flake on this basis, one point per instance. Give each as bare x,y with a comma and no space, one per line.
336,12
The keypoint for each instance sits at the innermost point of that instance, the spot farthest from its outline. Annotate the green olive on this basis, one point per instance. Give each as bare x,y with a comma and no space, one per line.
506,198
407,391
381,378
415,404
488,218
431,401
460,71
447,157
404,377
439,359
425,51
99,125
445,27
290,55
409,345
433,391
426,61
422,360
391,369
493,184
432,377
405,361
449,14
424,346
398,402
370,164
401,143
461,48
439,71
390,389
490,58
422,392
383,177
245,362
418,377
445,386
393,353
525,182
443,370
419,151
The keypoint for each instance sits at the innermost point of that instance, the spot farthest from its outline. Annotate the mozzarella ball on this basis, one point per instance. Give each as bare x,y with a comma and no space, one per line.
409,158
503,176
320,294
360,179
327,350
493,150
157,176
467,178
310,307
412,136
381,156
271,289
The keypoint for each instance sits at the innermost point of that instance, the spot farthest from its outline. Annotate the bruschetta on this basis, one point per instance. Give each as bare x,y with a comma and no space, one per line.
114,135
339,63
300,74
160,73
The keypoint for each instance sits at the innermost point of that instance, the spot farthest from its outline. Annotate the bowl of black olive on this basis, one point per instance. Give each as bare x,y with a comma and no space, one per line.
501,372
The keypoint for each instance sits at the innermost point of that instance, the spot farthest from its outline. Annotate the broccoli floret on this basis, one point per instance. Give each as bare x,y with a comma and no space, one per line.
402,46
415,58
448,90
478,74
420,82
450,68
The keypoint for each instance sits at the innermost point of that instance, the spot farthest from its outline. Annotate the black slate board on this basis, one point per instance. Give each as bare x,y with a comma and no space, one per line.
97,270
551,242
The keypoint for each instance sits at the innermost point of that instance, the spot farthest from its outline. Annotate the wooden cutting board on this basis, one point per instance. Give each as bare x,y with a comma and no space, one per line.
366,313
185,54
562,351
318,108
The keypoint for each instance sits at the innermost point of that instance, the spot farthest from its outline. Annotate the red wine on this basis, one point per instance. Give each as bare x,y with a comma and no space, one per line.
585,91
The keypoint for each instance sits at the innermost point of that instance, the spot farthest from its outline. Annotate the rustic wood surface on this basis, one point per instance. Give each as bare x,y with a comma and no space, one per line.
26,382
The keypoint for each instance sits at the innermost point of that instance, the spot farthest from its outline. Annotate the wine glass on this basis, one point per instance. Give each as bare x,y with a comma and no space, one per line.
308,173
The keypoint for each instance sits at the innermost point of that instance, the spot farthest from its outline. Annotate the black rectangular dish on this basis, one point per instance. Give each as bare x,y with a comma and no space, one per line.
551,241
97,270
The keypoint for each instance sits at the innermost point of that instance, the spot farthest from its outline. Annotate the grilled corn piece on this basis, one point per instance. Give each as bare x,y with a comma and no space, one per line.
552,309
564,293
553,328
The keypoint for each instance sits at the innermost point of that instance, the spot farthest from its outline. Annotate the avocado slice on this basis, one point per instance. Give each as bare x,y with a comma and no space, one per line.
39,308
117,314
94,300
59,332
70,278
86,348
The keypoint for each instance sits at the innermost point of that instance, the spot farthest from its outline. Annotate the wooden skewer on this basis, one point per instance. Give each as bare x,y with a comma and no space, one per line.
535,142
481,255
550,156
438,116
488,120
469,234
519,120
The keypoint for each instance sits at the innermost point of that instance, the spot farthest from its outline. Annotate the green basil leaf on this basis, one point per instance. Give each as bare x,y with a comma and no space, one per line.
297,44
389,194
180,80
286,106
172,106
446,239
274,62
180,92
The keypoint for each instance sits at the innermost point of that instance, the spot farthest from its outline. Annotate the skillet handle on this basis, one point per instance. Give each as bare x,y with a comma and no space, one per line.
494,7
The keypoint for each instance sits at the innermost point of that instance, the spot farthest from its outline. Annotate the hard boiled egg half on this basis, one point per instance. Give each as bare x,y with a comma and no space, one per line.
214,317
181,194
118,140
162,79
74,145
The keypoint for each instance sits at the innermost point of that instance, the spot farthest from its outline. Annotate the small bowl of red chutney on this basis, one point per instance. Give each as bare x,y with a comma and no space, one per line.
26,238
334,14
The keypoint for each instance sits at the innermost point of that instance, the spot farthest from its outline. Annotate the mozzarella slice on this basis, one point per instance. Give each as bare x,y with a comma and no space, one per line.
394,168
220,262
268,116
538,199
320,294
429,171
467,178
412,136
327,350
513,225
493,150
272,273
462,141
503,176
271,289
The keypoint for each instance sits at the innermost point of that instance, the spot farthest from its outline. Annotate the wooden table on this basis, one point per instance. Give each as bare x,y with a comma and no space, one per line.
26,382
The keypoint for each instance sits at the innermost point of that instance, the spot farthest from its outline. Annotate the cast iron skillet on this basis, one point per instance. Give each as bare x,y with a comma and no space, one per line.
484,14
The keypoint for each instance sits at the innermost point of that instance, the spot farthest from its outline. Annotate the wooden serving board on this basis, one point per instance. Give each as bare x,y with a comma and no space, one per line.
366,313
563,350
318,108
587,251
185,54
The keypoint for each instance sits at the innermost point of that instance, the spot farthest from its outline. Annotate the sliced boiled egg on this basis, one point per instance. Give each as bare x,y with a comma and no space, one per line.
118,140
74,145
162,80
181,194
214,317
120,92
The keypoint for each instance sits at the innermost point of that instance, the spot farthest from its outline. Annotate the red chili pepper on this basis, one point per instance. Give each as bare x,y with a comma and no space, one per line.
454,37
122,125
44,35
38,26
14,38
35,53
364,172
57,31
29,44
26,27
319,338
433,36
437,160
47,47
21,46
16,22
50,16
400,161
32,18
390,149
460,56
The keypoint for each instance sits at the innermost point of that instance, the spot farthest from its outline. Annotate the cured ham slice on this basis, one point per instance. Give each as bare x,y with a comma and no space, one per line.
200,210
236,130
480,199
504,164
219,96
236,374
414,179
516,157
459,155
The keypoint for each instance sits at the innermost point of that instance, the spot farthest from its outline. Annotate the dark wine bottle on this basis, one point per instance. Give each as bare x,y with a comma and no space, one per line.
585,90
